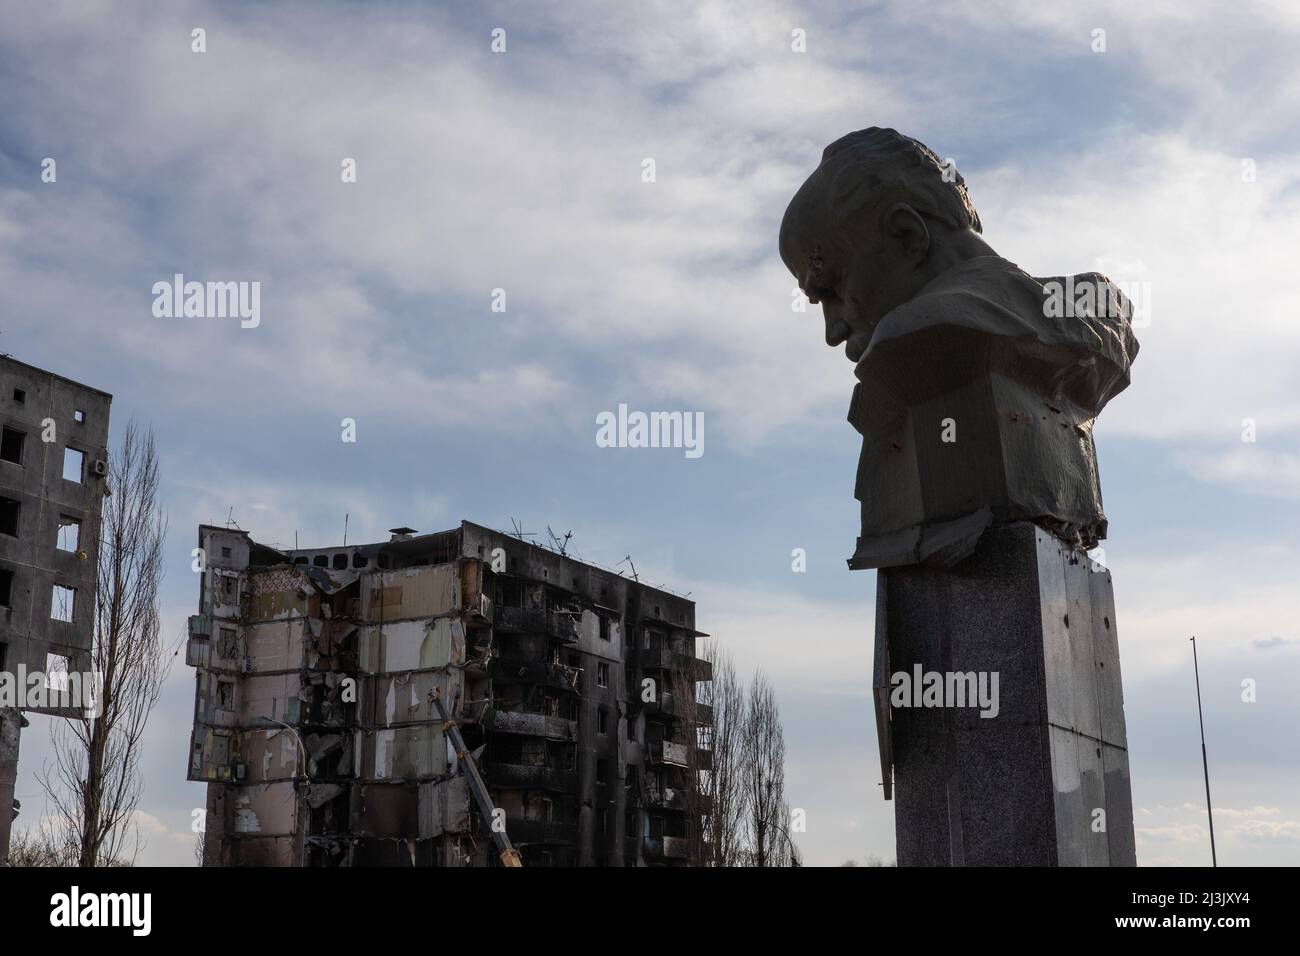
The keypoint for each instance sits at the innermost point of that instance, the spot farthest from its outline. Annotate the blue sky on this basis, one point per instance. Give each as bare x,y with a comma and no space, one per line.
522,171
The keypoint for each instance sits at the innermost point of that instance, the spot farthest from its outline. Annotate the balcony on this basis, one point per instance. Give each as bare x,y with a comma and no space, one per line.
514,669
668,848
559,623
197,649
668,798
529,832
656,659
532,725
519,620
531,777
665,705
665,659
667,752
670,704
565,624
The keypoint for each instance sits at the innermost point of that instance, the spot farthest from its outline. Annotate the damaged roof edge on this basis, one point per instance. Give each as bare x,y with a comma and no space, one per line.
449,545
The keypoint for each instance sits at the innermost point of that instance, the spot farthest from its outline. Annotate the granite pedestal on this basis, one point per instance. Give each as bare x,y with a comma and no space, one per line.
1045,782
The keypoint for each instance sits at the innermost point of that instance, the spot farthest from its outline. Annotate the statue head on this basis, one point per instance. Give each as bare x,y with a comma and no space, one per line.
879,218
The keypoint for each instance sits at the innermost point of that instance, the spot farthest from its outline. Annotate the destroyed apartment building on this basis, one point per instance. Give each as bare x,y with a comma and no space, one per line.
320,675
53,479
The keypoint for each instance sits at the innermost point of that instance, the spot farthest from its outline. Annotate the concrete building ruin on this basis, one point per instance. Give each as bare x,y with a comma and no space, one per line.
53,461
314,723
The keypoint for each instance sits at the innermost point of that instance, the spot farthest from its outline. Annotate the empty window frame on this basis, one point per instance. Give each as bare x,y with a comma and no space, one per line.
6,586
79,417
74,464
20,396
602,721
340,562
69,534
602,675
11,445
56,673
509,593
9,511
63,603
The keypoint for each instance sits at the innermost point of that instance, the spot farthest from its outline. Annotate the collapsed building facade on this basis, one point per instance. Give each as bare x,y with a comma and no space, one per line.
317,731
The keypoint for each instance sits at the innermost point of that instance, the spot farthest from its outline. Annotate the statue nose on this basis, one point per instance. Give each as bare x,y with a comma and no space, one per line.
836,330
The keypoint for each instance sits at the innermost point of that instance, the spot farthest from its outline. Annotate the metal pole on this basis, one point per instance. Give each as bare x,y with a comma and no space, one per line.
1205,762
506,851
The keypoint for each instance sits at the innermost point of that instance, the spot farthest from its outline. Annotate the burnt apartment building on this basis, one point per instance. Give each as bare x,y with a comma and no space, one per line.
317,731
53,462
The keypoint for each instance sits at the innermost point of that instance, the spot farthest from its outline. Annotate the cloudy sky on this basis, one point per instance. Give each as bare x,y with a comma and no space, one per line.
1170,159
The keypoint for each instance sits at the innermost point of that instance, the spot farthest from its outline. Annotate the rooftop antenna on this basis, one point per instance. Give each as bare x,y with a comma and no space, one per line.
345,530
520,533
628,559
560,546
1205,762
230,520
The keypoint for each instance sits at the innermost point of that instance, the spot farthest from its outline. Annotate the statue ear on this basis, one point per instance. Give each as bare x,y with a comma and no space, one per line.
907,227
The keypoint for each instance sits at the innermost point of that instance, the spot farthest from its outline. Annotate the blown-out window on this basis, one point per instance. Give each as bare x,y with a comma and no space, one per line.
69,534
74,463
63,603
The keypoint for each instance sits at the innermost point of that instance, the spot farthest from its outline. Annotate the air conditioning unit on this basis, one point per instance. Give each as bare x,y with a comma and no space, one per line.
99,468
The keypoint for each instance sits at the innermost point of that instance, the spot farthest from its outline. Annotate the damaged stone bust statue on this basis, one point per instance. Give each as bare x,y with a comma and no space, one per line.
977,387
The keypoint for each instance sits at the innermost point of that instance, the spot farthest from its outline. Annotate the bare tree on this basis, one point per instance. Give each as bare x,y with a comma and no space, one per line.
763,750
39,848
94,785
724,783
784,851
